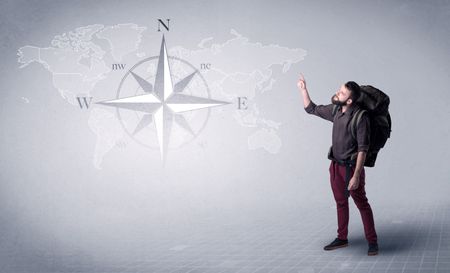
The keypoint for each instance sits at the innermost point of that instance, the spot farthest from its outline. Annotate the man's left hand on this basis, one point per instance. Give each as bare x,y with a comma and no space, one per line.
354,183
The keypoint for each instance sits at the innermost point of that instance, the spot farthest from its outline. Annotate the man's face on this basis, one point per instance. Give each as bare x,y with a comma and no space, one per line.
342,96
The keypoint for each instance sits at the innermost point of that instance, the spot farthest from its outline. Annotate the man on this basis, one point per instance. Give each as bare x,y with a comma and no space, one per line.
347,154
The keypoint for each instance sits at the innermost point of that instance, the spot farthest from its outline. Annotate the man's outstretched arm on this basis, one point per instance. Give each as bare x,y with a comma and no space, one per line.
322,111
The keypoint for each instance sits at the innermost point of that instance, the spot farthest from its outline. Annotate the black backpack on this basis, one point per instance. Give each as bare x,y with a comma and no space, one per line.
376,104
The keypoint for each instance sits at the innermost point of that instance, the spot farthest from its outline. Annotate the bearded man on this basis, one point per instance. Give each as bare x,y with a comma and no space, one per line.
347,155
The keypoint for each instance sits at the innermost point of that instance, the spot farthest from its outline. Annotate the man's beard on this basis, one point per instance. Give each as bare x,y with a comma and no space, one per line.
335,100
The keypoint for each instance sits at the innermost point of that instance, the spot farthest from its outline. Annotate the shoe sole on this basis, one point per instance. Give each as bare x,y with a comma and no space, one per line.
335,247
372,253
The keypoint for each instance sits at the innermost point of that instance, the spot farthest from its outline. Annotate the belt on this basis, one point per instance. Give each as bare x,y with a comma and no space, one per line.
345,162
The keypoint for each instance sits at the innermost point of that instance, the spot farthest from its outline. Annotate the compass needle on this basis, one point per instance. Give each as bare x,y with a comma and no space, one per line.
181,120
144,103
145,121
182,103
145,85
179,87
163,81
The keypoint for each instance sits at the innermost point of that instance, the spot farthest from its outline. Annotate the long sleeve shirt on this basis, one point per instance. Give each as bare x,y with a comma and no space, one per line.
344,146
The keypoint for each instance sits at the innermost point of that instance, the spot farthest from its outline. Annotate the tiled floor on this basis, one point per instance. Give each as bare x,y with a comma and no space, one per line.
412,240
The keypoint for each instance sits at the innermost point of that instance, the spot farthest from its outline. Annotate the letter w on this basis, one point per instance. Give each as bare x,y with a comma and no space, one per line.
84,101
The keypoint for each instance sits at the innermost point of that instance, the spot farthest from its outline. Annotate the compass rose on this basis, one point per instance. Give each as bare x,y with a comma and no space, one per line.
161,102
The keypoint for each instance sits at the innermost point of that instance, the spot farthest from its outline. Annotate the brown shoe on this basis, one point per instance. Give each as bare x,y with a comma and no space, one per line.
337,243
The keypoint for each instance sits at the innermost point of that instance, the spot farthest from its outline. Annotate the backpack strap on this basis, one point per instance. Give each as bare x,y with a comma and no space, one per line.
355,121
335,110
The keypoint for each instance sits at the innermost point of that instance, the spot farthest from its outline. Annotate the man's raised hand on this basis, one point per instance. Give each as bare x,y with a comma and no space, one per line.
301,84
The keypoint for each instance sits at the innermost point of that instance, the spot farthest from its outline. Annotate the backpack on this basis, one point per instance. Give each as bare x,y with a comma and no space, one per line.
375,103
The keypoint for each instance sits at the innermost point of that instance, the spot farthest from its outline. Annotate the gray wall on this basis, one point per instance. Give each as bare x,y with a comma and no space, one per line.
52,197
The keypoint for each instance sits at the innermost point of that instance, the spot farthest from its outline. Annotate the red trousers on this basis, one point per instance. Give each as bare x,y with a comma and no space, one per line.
339,186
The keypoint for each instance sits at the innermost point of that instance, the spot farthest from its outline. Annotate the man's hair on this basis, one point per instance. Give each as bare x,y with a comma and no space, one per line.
354,89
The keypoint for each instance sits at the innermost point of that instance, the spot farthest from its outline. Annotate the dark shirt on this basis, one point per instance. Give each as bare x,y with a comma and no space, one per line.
343,143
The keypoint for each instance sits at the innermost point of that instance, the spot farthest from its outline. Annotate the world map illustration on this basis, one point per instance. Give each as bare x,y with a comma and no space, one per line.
90,62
